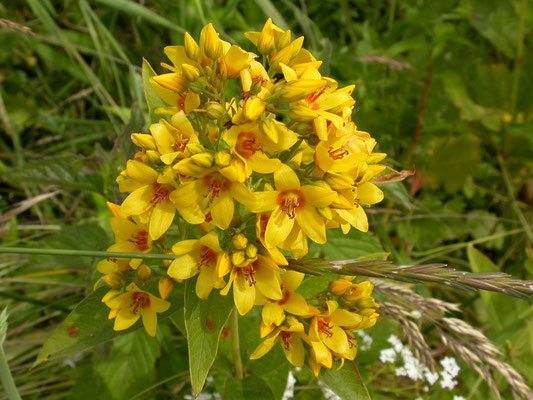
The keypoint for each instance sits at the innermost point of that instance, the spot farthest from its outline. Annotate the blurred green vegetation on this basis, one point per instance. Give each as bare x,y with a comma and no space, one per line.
444,86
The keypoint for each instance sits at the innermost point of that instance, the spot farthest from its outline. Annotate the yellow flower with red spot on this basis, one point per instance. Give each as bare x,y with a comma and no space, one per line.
290,335
198,257
127,308
293,204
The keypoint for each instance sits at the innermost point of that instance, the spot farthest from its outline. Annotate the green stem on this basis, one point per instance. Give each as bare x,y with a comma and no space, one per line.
6,377
88,253
518,58
235,344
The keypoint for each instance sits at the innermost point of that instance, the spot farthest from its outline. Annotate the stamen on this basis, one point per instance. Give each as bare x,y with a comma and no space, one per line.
290,206
324,326
139,300
208,257
337,154
351,341
181,144
160,194
213,190
249,273
287,339
140,240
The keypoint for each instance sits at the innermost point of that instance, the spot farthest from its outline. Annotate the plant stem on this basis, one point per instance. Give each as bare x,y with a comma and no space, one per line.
89,253
6,377
235,344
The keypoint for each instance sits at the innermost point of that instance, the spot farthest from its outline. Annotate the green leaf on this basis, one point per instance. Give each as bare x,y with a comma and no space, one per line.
129,369
87,325
204,320
252,387
346,383
355,244
138,10
152,99
454,160
3,325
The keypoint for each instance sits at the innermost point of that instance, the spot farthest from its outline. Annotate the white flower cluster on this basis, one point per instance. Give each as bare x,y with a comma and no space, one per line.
366,340
289,389
414,369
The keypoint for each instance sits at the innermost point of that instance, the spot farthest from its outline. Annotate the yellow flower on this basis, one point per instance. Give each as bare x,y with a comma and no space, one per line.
198,257
172,139
150,200
294,303
211,194
263,273
127,308
293,204
290,333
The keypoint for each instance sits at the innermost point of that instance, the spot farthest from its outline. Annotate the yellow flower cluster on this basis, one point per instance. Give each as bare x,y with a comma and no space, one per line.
261,154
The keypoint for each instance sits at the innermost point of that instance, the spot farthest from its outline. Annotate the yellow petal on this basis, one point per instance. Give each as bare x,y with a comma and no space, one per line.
125,318
206,278
183,267
265,346
292,280
222,210
312,224
285,178
296,305
141,172
272,313
318,196
295,354
161,219
278,228
149,320
368,194
267,282
138,202
244,295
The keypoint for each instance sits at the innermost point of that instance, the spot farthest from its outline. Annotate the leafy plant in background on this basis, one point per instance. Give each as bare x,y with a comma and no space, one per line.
414,77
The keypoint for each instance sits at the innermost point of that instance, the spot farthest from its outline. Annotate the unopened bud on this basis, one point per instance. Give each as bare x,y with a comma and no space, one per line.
212,44
282,56
366,312
203,159
339,287
256,87
246,80
215,110
238,258
114,280
222,158
191,47
144,272
253,108
366,302
153,156
240,241
265,42
143,140
283,40
190,72
196,87
195,148
325,212
251,251
165,286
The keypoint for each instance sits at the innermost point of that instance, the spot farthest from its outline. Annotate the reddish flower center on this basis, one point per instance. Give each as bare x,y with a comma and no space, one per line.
337,154
324,326
208,256
290,200
215,186
249,273
140,240
312,99
286,296
139,300
351,341
160,193
181,144
286,339
247,144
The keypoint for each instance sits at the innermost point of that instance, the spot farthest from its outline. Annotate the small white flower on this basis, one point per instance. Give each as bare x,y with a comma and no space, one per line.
387,356
416,314
458,398
366,340
289,390
447,381
450,366
431,377
396,343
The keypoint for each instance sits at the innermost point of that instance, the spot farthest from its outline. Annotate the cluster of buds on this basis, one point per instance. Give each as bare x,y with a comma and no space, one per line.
257,157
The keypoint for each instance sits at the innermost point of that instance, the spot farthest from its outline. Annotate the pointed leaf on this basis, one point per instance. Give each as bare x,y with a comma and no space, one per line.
152,99
346,383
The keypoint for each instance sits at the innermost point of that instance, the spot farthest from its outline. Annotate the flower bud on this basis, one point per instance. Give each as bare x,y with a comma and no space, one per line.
195,148
265,42
282,56
339,287
284,40
253,108
325,212
191,47
240,241
251,251
238,258
215,110
246,79
190,72
165,286
144,272
203,159
366,312
153,156
222,158
212,44
256,87
114,280
143,141
365,302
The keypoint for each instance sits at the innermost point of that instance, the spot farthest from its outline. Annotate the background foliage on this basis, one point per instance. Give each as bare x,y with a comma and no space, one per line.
445,87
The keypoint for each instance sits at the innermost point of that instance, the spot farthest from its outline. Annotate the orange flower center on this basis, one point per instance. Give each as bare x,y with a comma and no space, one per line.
247,145
139,300
160,193
324,326
181,144
337,154
286,339
208,256
286,296
290,201
140,240
312,99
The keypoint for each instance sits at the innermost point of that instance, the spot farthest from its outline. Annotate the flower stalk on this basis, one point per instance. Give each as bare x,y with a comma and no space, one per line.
235,345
